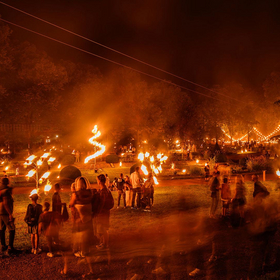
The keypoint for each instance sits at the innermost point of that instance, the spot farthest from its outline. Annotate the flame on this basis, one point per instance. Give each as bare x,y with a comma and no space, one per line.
34,191
184,170
7,168
51,159
39,162
147,154
144,169
59,166
155,180
141,156
160,168
31,173
31,158
159,156
172,165
197,161
45,175
45,155
152,159
164,158
102,148
120,163
278,173
48,187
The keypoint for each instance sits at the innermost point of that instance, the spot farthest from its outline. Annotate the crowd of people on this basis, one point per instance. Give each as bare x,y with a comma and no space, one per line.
261,216
90,212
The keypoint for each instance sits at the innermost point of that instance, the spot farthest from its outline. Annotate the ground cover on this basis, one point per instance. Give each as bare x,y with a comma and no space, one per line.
167,237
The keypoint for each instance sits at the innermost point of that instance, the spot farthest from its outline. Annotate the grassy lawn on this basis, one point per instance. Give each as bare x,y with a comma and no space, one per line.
168,201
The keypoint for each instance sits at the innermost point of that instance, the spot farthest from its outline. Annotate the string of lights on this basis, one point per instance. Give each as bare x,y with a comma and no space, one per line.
114,62
118,52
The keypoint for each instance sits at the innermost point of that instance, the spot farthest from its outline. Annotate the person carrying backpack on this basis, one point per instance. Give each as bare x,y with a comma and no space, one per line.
33,213
103,216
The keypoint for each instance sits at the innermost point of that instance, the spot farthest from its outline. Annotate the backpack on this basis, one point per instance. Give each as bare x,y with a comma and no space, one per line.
109,200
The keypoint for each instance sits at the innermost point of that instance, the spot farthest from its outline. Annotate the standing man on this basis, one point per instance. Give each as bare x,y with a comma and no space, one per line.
121,190
136,182
6,216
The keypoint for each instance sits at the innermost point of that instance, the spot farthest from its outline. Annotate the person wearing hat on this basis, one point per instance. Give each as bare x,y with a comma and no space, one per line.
34,210
6,216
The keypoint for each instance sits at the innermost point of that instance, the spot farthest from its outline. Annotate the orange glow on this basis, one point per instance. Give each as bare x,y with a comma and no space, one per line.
144,169
31,173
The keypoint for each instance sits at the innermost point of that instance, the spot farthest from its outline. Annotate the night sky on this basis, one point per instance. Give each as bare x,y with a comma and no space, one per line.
207,42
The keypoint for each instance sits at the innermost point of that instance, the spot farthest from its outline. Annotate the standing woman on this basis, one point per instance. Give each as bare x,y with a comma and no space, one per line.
128,191
81,200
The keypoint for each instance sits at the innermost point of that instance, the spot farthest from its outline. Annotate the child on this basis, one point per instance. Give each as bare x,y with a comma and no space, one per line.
49,223
33,213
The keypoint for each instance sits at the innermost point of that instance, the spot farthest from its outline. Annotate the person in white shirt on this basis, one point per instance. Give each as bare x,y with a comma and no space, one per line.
136,182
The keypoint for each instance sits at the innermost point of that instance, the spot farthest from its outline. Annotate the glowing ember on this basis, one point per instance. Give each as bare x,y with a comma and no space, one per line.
102,148
31,158
48,187
7,167
141,156
45,175
34,191
45,155
184,170
59,166
31,173
144,169
155,180
147,154
278,173
152,159
58,177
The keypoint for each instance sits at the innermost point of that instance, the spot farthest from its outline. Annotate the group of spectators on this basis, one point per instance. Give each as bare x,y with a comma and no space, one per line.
136,192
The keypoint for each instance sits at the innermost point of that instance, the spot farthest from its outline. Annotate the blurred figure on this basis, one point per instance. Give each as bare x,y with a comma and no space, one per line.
239,200
49,224
107,181
225,196
264,216
207,171
81,200
148,192
128,191
103,217
136,182
259,188
56,200
214,188
32,215
75,220
6,216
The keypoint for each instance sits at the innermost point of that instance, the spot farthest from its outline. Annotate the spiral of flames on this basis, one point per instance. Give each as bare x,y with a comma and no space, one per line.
92,141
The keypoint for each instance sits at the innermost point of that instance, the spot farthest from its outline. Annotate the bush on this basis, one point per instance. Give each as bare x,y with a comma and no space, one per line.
112,159
68,160
195,170
259,163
